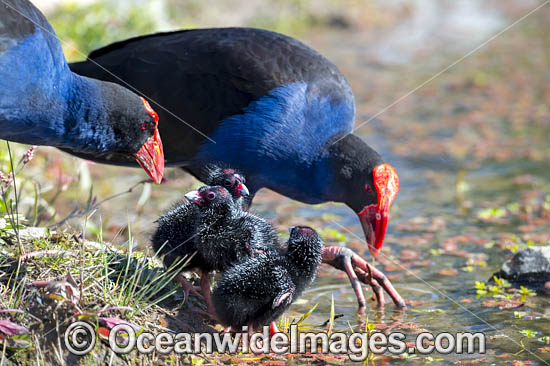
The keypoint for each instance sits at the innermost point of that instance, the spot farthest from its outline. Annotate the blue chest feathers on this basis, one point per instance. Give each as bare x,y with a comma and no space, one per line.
33,81
279,140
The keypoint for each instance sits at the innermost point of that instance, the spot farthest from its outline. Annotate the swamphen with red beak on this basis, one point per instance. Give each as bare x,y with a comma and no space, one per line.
260,289
270,106
174,238
43,103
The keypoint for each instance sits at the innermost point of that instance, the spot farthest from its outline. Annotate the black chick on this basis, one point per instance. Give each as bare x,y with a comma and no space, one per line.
220,174
259,290
225,234
174,237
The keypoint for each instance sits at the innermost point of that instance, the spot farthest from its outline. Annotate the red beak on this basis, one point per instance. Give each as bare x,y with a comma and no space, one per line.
374,218
151,157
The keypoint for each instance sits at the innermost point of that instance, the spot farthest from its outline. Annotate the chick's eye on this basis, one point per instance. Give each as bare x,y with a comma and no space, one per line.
227,183
211,196
145,126
368,188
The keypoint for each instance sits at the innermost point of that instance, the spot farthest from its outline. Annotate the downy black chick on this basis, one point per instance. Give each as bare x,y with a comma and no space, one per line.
259,290
225,234
174,237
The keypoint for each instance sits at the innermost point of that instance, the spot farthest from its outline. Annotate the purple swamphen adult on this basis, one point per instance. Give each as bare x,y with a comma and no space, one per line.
42,102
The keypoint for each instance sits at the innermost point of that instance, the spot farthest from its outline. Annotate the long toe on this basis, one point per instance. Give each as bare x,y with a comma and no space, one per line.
380,278
202,312
340,258
376,288
360,271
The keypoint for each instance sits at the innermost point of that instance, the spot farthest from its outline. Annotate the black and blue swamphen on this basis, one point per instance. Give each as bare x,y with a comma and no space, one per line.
257,291
43,103
269,106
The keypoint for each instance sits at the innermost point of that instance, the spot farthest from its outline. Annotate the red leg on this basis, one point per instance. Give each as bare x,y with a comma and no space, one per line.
358,270
205,286
187,287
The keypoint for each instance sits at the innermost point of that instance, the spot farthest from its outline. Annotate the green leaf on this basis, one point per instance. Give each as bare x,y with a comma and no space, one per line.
306,315
491,213
332,234
526,292
529,333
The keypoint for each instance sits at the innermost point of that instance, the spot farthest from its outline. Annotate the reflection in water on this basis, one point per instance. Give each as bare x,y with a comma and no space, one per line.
433,24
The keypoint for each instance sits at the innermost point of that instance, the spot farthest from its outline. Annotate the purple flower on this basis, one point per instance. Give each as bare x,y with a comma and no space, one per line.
11,329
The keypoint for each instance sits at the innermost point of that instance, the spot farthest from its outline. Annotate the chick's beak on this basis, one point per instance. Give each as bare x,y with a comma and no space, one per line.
194,197
374,218
151,157
242,190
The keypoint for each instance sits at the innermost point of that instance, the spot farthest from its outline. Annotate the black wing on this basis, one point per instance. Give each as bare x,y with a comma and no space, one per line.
199,77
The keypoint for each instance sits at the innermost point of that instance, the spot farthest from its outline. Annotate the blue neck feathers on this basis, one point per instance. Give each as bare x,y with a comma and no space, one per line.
43,103
279,141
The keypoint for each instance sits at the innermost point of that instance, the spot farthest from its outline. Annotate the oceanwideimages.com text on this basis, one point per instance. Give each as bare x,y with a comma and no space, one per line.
80,339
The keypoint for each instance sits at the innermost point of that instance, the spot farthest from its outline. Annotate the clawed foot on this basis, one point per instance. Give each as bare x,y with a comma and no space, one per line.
202,291
359,271
187,287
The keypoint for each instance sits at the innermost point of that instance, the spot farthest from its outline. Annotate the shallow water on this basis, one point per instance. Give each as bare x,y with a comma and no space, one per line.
471,139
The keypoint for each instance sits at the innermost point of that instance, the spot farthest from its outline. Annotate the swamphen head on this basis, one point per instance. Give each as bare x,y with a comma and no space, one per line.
365,183
115,125
135,130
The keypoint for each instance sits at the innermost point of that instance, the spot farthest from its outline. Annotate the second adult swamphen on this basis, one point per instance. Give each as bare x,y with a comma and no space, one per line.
268,105
43,103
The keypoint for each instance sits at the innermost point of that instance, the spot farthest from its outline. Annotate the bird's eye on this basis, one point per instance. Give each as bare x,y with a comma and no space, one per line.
211,196
368,188
227,183
145,126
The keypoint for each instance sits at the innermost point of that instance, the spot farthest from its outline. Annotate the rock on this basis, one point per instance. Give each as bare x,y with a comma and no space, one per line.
530,266
31,233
